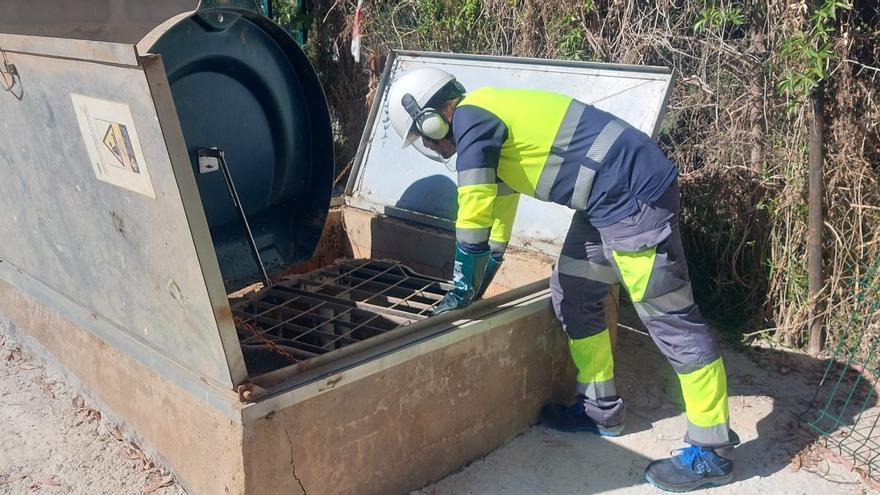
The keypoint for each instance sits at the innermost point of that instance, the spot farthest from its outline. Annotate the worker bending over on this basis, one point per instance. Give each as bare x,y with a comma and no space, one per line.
624,191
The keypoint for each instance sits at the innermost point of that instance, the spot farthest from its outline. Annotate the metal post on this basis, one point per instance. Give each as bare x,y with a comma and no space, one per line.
814,234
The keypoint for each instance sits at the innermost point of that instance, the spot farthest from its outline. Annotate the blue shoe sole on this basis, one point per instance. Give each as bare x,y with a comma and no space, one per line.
611,431
704,483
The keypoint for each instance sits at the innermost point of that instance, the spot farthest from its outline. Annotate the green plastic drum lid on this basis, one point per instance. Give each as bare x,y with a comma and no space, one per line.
241,84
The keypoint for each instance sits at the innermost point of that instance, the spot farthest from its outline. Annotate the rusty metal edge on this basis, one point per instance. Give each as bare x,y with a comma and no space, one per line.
293,376
419,341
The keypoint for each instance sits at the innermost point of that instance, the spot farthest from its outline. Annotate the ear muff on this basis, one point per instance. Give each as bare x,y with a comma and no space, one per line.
427,121
432,124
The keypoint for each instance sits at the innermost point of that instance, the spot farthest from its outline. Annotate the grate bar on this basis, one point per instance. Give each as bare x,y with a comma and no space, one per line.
397,315
317,312
366,294
299,321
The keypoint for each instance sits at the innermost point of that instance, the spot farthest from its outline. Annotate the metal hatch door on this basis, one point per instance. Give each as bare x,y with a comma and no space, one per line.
406,184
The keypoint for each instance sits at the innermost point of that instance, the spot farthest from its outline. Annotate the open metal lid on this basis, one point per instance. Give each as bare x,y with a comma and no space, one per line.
115,21
406,184
241,85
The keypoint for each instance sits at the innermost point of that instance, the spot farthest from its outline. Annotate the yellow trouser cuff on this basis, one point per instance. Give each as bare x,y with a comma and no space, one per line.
593,357
705,394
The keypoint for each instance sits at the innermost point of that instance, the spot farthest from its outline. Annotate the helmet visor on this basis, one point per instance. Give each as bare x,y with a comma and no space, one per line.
421,148
412,137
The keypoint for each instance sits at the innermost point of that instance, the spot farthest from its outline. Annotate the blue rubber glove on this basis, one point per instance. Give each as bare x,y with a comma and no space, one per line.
467,277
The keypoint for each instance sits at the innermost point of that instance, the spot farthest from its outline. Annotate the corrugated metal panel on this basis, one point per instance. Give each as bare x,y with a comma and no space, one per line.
406,184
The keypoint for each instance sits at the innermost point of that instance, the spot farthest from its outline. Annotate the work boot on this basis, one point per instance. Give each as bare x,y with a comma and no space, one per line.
574,418
690,468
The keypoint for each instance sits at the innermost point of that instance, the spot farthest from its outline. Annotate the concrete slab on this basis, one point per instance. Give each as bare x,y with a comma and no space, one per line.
768,390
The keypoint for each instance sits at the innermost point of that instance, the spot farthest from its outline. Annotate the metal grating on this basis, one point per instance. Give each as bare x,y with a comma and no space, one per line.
317,312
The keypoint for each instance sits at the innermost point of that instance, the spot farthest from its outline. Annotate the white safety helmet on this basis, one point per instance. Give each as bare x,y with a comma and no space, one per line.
407,100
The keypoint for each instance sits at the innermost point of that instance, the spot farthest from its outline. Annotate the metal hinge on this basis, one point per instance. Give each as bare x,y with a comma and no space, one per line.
248,392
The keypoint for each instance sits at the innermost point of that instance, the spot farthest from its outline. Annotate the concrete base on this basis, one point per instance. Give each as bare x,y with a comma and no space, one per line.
401,428
387,425
186,433
390,432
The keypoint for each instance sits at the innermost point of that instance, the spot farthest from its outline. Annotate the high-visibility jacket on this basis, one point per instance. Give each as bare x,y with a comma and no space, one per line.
551,147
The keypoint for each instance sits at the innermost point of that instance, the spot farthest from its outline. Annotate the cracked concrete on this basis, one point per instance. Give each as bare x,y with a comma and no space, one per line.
292,460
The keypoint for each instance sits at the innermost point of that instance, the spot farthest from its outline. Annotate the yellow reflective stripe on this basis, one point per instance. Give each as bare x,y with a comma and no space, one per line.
635,270
705,394
593,358
476,205
505,214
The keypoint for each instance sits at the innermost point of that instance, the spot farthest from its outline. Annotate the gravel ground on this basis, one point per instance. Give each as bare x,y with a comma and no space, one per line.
53,441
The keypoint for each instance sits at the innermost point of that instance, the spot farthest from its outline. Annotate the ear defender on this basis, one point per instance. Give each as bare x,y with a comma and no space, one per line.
432,124
428,121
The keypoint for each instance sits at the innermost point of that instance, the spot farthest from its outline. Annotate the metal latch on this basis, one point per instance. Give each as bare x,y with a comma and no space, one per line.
209,161
9,73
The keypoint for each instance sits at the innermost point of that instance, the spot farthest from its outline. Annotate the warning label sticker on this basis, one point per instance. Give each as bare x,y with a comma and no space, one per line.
112,143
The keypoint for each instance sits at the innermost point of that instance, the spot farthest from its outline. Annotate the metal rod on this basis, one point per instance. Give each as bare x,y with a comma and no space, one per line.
227,175
814,234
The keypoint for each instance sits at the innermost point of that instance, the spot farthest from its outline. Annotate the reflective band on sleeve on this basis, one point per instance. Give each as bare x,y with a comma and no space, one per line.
582,187
635,270
606,139
548,177
705,395
568,125
472,236
672,302
497,247
593,358
586,269
476,176
597,390
504,189
560,144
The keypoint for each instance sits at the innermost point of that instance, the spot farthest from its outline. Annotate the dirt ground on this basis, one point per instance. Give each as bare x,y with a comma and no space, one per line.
53,441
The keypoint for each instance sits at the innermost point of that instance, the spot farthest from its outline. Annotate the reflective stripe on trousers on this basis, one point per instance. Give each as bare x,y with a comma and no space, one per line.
645,253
